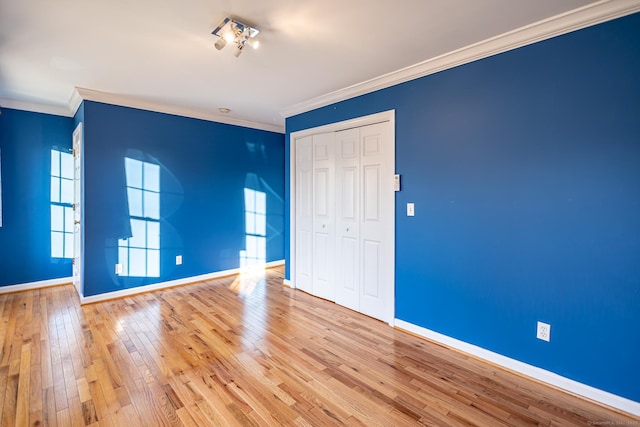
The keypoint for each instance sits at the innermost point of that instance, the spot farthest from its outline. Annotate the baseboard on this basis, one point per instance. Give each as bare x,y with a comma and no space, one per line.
35,285
287,283
169,284
539,374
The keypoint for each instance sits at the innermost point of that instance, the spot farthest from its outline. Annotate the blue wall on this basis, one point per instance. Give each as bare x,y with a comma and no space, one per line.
26,140
204,170
525,173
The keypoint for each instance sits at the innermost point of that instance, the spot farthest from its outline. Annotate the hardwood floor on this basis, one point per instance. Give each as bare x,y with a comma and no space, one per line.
247,352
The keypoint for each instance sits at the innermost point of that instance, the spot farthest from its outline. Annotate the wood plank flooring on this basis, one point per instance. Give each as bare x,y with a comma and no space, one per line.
248,352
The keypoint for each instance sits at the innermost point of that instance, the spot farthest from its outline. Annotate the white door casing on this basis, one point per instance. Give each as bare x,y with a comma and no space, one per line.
77,209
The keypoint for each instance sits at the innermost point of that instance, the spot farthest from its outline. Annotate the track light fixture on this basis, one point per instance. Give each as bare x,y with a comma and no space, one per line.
233,31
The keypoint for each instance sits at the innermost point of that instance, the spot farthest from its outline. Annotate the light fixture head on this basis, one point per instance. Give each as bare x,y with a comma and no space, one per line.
233,31
238,50
220,43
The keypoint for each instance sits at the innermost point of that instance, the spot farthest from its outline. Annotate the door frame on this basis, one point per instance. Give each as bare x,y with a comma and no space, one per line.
385,116
77,268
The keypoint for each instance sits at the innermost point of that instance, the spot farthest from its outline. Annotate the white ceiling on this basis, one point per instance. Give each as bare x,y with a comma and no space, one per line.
161,51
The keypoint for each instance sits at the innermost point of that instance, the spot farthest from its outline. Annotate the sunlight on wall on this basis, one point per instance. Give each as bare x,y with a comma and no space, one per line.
61,204
253,258
139,254
255,211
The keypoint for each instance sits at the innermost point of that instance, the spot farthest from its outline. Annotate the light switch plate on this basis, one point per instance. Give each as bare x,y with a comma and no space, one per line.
396,182
410,209
178,259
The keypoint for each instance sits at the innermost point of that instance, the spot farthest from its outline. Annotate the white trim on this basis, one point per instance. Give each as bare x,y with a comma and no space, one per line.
384,116
163,285
287,283
75,101
35,285
133,102
591,14
35,107
566,384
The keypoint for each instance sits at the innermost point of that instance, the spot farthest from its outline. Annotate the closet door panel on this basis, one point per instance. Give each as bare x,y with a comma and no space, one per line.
376,285
348,218
304,214
370,271
324,216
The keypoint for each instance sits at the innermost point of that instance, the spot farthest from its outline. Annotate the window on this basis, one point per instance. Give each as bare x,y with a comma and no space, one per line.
255,208
139,255
61,204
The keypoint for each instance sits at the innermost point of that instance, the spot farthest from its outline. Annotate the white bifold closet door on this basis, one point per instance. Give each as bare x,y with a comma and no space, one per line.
344,218
364,213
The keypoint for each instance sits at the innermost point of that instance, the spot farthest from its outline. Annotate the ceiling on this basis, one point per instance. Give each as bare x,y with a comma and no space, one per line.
162,51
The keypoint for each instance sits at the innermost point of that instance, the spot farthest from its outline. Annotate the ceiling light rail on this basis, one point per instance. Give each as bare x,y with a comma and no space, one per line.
233,31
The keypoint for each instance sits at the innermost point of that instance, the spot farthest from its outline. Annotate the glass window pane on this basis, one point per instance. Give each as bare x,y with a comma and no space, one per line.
68,245
151,205
123,257
57,243
249,200
261,202
153,263
261,225
153,235
57,218
250,223
68,219
139,230
133,169
137,262
66,165
55,189
66,193
151,177
135,201
55,163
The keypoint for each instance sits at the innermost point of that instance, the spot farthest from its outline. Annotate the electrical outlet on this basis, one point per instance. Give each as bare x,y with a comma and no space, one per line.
544,331
178,259
118,268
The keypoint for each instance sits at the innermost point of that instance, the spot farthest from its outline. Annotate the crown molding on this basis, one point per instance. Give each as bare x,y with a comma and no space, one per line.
75,101
586,16
134,102
35,107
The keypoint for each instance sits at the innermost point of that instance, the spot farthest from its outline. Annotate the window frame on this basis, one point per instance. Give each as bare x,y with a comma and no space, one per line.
66,231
